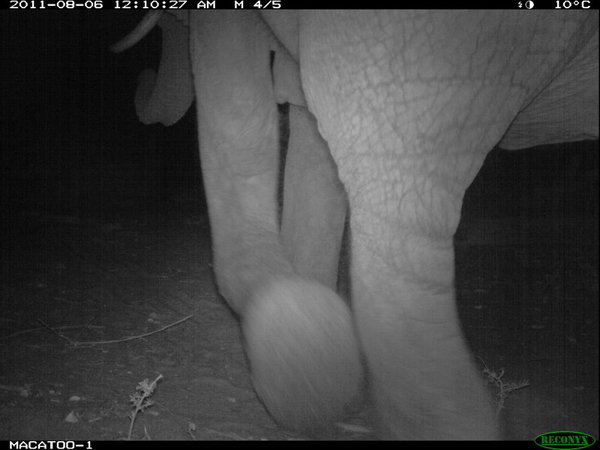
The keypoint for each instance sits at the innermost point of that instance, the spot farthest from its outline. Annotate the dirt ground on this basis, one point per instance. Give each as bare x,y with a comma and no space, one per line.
93,304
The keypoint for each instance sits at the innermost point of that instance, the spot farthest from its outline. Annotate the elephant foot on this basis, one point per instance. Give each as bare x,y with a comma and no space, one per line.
462,415
303,352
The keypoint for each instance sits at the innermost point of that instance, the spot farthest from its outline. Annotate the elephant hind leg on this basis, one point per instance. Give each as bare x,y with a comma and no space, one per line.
314,202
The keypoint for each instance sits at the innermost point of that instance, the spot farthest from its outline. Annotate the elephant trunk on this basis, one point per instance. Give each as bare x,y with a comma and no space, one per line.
165,97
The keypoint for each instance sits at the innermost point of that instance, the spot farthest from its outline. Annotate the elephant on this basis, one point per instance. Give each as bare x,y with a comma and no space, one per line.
391,116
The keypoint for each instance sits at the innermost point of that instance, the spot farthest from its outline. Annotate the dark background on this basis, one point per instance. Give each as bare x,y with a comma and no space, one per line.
71,141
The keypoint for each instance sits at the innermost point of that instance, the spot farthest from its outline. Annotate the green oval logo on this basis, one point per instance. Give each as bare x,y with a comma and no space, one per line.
564,440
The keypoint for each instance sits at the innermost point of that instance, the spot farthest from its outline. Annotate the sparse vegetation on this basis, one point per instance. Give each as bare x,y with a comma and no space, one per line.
504,387
141,400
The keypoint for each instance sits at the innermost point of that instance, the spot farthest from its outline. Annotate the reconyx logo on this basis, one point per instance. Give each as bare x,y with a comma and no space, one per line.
564,440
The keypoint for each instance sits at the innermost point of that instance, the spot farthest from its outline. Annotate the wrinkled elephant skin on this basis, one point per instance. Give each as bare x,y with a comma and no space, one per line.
409,104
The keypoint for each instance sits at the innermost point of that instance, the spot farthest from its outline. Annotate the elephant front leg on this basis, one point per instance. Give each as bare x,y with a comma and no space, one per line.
424,383
298,333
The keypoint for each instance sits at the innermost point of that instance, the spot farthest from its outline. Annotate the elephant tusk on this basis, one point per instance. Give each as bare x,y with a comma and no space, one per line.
138,33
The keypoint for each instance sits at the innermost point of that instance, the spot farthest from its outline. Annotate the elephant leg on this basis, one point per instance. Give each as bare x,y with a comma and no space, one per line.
298,333
424,383
406,162
314,202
